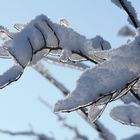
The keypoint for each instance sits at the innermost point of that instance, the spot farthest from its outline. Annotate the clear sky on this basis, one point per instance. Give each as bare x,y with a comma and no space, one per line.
18,102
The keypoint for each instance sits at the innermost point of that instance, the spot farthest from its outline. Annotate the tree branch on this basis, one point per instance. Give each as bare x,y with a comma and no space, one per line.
131,16
69,64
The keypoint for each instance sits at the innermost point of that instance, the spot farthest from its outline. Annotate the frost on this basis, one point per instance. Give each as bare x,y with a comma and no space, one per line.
126,114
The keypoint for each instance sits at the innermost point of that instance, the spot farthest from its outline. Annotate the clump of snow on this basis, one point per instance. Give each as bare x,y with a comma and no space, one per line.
100,44
10,75
126,31
20,49
126,114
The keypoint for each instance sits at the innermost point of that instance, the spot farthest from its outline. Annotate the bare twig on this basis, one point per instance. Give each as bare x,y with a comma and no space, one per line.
59,117
27,133
45,73
97,125
78,135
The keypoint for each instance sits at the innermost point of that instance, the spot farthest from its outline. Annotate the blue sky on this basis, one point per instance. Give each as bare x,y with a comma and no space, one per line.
18,102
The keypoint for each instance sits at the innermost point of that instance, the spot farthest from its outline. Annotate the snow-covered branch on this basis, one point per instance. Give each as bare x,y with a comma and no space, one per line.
116,73
129,9
105,79
41,37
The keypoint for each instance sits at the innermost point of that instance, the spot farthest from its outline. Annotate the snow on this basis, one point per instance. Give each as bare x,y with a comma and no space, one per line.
120,51
41,33
38,56
135,137
76,43
126,114
41,22
100,44
105,78
20,49
126,31
10,75
69,39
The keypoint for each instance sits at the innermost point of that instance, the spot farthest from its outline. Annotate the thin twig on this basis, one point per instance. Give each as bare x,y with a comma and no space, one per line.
27,133
78,135
97,125
45,73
